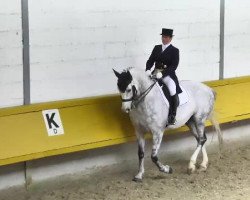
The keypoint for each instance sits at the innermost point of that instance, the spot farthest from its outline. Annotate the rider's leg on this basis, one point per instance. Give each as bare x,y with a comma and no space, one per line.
174,102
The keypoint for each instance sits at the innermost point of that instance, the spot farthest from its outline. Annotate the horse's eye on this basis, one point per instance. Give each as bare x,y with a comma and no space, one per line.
128,90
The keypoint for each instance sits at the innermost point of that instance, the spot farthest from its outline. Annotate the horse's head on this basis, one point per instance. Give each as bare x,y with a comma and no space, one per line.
127,89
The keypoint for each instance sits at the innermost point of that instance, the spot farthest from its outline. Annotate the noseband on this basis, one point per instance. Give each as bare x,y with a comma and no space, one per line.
137,99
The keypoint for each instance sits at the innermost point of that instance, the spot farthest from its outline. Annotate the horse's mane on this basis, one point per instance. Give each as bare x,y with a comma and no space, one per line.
139,76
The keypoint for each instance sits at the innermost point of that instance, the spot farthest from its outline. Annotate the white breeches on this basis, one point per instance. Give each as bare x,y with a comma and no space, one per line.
170,84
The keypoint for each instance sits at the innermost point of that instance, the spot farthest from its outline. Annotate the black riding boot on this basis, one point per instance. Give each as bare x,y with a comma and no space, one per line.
172,110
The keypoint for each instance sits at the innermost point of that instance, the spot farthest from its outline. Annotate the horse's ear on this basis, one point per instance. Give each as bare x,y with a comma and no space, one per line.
117,73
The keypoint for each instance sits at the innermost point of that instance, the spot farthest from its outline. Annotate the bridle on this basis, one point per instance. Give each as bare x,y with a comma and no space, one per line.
137,99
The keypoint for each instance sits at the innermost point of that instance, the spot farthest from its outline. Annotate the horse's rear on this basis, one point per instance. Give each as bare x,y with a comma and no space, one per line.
199,105
201,97
204,98
199,108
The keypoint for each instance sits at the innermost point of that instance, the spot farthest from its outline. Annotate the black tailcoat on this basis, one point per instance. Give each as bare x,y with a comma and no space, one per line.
168,57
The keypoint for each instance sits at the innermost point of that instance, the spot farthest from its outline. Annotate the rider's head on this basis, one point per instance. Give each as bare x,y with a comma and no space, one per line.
167,35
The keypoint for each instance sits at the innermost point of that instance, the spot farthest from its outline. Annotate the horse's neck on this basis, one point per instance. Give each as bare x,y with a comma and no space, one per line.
153,95
144,83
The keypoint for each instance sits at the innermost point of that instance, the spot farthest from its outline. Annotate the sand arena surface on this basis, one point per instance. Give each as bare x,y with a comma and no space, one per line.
227,177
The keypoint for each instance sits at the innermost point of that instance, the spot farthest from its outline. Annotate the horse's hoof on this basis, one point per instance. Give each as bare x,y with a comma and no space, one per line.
167,169
137,180
190,170
202,168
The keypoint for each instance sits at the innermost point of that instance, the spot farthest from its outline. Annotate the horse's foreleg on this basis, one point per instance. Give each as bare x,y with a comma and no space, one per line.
157,138
141,150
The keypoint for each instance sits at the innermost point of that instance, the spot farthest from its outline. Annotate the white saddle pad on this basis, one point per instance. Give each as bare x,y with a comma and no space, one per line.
183,97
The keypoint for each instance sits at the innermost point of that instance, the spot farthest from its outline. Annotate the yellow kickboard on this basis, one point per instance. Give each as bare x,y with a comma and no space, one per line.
94,122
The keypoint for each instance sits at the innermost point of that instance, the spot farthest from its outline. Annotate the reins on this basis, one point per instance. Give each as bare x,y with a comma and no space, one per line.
137,99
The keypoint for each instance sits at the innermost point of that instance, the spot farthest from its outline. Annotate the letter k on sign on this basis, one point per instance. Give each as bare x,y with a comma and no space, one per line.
53,122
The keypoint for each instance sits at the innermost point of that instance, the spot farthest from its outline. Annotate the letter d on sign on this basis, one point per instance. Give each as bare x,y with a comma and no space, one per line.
53,122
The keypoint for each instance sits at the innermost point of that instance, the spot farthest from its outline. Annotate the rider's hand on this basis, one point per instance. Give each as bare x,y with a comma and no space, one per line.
148,72
159,75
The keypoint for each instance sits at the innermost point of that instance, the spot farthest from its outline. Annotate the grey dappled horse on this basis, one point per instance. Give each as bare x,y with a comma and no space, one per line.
149,113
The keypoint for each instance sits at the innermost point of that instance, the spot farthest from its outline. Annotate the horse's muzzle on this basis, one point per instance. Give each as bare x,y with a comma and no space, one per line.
127,110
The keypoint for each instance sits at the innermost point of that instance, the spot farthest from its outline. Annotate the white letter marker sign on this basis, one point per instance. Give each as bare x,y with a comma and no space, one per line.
53,122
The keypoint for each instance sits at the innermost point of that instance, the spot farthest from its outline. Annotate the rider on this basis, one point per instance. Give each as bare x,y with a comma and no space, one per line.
166,59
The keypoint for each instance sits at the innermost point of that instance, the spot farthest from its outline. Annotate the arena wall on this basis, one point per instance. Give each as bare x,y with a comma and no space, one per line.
93,125
179,146
237,38
11,68
74,46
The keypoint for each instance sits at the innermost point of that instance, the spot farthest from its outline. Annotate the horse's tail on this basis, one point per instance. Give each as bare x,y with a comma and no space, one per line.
215,123
215,94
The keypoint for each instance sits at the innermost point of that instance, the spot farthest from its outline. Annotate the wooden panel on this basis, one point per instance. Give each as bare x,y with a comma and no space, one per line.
95,122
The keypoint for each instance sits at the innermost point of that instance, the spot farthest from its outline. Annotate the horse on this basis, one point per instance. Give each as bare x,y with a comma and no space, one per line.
148,112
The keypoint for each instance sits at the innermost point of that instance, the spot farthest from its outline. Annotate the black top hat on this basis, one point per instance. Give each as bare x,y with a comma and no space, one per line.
167,32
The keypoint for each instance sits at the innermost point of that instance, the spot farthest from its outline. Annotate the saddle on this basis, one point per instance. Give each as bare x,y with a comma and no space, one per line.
183,96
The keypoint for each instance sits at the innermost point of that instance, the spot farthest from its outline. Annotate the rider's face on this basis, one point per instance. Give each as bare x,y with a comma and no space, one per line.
166,39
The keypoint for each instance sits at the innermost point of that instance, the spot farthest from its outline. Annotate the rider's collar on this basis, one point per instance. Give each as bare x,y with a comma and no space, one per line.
164,46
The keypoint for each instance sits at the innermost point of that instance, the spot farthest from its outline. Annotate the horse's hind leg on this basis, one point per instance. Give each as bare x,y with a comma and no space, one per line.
197,129
204,163
141,150
200,125
192,163
157,138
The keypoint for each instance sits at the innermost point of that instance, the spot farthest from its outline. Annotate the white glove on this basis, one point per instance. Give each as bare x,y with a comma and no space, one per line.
148,72
159,75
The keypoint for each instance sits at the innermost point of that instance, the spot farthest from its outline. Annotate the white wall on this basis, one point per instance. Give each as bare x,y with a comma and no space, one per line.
237,38
11,75
75,44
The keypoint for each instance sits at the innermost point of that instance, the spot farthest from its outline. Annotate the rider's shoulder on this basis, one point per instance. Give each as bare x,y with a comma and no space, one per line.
158,46
173,47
